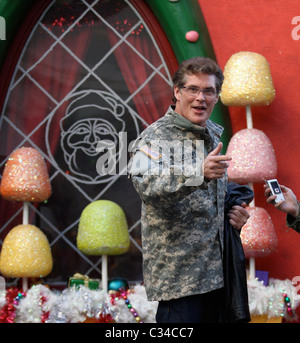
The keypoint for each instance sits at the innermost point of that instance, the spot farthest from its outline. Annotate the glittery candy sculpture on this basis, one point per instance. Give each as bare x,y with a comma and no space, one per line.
25,177
253,157
103,229
25,253
258,234
247,81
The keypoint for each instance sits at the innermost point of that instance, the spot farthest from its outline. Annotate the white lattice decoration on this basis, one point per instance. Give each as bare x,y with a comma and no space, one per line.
87,131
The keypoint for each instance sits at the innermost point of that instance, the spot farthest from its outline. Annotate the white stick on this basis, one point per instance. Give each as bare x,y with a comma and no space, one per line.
252,203
25,213
25,222
2,284
251,268
25,284
104,273
251,259
249,117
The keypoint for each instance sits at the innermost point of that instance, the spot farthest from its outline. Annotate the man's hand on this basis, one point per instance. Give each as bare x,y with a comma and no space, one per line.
215,165
238,216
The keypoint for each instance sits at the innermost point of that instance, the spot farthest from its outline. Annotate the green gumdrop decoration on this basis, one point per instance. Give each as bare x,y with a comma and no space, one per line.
103,229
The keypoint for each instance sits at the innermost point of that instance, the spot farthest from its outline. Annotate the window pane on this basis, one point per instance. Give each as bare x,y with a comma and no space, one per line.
88,74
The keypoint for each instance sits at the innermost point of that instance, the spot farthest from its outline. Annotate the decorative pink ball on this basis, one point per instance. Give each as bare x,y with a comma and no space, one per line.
192,36
253,157
258,234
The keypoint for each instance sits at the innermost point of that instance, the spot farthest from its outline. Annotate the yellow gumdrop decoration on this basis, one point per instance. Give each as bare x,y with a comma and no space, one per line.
247,80
103,229
26,253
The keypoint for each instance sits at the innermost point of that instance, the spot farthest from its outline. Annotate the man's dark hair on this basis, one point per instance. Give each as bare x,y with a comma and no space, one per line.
196,65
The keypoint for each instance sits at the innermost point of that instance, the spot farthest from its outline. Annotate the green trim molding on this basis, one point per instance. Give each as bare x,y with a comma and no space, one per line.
177,18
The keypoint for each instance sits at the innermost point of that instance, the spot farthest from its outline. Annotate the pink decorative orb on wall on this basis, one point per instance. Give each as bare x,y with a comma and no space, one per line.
192,36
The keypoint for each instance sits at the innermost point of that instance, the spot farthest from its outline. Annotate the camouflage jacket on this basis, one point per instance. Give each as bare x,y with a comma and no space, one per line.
292,222
182,214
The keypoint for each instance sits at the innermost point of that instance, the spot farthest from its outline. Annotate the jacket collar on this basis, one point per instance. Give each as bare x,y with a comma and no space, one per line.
184,123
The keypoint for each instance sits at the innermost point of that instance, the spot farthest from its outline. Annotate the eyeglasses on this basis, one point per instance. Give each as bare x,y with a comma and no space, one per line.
194,91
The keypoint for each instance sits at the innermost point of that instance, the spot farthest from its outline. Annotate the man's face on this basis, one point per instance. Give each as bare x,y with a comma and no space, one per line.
197,108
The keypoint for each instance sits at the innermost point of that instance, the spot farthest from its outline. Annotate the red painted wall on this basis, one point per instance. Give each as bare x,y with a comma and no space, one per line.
265,27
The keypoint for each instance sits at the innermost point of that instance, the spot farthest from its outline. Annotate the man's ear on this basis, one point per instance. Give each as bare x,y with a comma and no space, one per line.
176,92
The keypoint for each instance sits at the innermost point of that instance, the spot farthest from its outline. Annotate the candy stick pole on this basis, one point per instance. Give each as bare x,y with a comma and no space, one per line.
249,117
252,203
25,222
2,284
24,284
251,268
104,273
251,259
25,213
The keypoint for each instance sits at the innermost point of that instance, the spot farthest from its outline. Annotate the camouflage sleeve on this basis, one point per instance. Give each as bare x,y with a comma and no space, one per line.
160,182
292,222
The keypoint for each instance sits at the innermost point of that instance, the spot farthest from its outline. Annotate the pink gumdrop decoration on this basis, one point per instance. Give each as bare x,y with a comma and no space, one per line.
258,234
192,36
253,157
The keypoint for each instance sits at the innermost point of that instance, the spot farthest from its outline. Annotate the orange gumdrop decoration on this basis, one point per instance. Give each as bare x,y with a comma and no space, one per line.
25,177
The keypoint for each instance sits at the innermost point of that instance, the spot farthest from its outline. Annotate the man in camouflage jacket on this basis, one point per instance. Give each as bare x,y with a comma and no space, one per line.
181,178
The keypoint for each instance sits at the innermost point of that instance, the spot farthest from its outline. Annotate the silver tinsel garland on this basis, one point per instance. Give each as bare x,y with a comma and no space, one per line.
76,305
